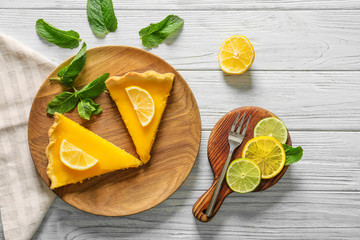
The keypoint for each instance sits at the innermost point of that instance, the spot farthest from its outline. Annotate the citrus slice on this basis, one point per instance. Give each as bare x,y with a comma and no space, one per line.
75,158
243,175
272,127
143,104
236,55
268,153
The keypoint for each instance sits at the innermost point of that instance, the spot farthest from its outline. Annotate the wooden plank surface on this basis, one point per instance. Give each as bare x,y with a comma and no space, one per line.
306,71
314,198
189,4
304,100
283,40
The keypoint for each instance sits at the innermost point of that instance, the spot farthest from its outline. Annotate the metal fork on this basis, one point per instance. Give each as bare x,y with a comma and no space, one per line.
235,139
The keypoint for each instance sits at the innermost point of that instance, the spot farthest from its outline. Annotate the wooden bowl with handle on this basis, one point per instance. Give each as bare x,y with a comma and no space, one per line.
218,150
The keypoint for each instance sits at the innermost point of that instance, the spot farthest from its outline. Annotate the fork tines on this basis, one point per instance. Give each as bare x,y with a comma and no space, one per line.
241,123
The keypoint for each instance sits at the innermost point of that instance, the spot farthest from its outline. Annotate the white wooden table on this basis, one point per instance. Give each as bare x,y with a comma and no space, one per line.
306,70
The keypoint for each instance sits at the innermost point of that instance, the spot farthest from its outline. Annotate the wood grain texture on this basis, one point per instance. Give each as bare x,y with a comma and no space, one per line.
190,5
314,199
283,40
173,154
318,198
314,173
218,150
304,100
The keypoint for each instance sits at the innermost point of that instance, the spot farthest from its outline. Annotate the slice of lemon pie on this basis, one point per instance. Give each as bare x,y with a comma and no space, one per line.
141,99
75,153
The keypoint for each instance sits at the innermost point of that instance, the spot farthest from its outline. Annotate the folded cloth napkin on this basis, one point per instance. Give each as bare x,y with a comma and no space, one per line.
24,197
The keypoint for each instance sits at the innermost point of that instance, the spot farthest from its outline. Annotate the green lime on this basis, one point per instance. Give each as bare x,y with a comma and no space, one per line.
272,127
243,175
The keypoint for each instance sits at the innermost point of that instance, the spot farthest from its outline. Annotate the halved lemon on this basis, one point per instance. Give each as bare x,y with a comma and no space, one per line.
236,55
272,127
75,158
268,153
143,104
243,175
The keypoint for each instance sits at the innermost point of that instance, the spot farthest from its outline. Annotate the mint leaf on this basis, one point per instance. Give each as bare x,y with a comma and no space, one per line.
98,109
293,155
109,15
152,40
87,107
94,88
101,17
154,34
154,27
62,71
96,106
173,23
64,39
62,103
68,73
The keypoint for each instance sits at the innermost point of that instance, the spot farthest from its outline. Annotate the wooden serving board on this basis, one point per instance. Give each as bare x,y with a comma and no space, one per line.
218,150
173,154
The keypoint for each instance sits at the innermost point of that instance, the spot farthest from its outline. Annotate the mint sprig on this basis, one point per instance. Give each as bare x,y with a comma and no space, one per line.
293,155
66,101
155,33
61,38
101,17
68,73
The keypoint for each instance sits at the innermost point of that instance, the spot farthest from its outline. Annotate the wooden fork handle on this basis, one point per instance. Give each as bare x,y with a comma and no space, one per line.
202,203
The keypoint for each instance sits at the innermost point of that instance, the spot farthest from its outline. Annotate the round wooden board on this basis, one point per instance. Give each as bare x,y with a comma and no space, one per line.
173,154
218,150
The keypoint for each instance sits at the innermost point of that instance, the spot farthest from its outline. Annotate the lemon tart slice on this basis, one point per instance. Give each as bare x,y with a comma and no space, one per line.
81,141
158,87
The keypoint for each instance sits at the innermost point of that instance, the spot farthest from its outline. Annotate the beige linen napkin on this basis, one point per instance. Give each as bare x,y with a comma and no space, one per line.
24,197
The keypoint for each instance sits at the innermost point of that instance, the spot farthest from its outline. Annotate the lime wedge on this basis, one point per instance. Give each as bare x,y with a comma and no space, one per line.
272,127
243,175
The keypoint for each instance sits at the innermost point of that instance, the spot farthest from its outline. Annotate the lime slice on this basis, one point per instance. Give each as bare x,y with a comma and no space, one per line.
243,175
272,127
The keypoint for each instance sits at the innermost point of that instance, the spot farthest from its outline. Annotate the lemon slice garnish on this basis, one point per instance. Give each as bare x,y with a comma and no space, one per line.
75,158
143,104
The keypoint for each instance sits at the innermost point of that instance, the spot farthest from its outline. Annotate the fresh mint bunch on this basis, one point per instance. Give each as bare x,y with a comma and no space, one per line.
154,34
101,17
293,155
64,39
66,101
